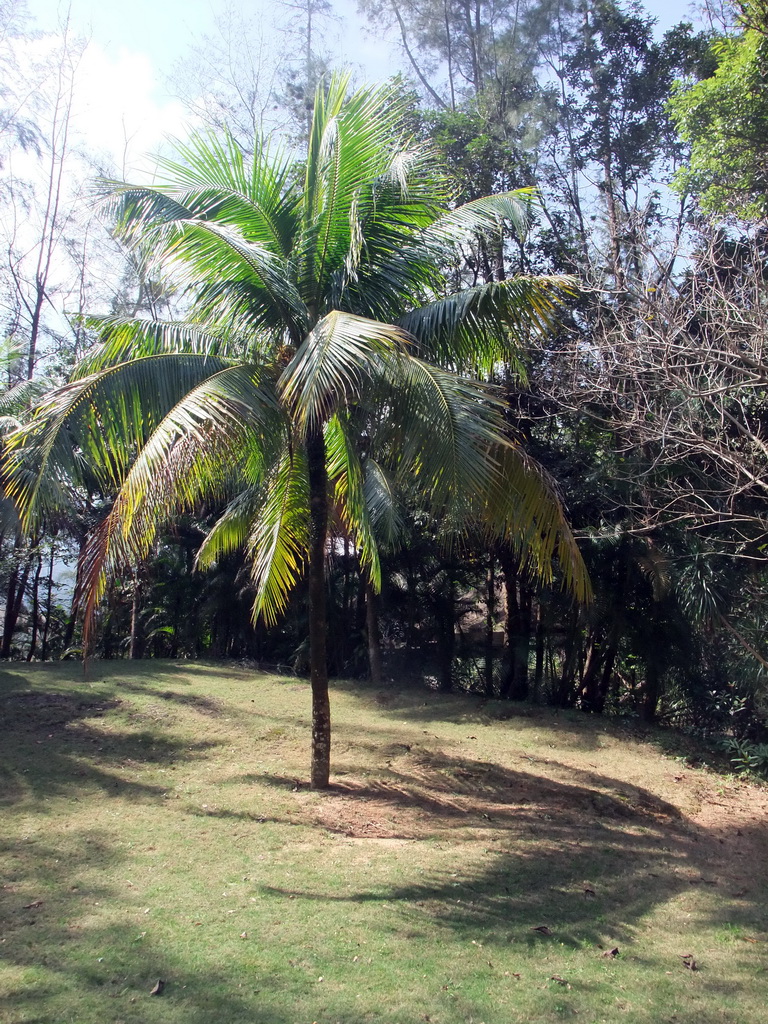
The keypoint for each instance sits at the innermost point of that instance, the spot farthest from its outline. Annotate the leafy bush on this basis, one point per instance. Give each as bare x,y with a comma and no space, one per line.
747,757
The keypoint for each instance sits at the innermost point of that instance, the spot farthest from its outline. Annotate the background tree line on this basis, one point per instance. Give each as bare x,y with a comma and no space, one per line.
644,400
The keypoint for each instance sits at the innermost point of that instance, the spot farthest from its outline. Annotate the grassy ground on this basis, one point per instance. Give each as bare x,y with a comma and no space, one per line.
468,866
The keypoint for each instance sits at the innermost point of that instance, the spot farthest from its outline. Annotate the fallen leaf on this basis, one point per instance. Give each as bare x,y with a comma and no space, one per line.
689,962
589,894
243,935
611,953
33,905
542,928
559,980
158,989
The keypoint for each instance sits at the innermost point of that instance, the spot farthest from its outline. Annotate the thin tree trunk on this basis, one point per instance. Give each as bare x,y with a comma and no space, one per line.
447,638
35,605
490,603
591,697
16,589
48,601
514,684
572,644
419,73
69,632
372,629
318,616
538,672
136,645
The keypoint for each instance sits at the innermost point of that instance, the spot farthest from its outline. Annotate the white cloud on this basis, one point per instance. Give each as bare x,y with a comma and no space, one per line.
117,113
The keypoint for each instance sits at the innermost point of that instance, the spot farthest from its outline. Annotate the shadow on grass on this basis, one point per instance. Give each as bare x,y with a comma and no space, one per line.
52,746
568,856
419,705
71,966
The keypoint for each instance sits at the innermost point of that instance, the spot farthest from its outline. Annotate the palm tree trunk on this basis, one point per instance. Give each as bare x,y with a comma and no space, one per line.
318,617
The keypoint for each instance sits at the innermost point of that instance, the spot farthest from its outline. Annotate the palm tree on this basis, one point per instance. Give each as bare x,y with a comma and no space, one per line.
300,387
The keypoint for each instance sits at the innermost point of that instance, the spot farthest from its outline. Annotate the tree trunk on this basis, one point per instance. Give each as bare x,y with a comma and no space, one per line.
36,605
514,684
538,673
16,588
372,629
566,690
48,601
591,698
136,648
651,692
318,617
446,638
490,603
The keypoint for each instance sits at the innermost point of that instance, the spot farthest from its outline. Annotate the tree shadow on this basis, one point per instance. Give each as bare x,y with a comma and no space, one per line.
52,745
585,859
105,971
420,706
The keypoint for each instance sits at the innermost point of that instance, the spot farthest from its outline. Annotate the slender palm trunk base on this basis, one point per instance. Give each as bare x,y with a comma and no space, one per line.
318,662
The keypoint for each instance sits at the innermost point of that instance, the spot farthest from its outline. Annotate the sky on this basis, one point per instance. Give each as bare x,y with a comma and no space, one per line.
126,103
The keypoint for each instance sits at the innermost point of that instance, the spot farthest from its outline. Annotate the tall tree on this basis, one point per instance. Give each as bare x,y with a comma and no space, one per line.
724,118
314,303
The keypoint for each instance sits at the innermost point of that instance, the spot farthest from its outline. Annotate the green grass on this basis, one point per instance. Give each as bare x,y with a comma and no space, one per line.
160,814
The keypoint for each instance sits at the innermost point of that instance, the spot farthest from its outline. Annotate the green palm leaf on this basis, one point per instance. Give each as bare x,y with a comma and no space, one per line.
346,473
100,421
124,338
491,323
223,432
334,362
279,539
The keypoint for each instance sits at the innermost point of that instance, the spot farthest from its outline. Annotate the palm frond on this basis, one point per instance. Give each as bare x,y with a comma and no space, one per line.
18,398
98,423
124,338
383,503
484,216
479,327
449,439
221,434
442,428
232,529
522,506
351,146
279,540
196,245
333,363
346,475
